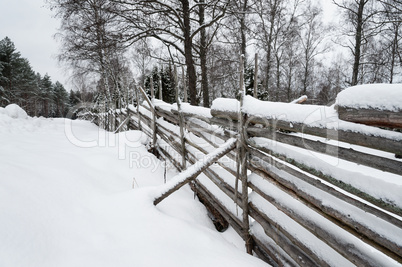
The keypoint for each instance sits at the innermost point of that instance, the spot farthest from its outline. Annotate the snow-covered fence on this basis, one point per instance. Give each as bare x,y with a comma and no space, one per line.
320,191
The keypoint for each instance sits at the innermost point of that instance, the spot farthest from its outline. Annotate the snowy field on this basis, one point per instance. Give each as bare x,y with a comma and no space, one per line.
74,195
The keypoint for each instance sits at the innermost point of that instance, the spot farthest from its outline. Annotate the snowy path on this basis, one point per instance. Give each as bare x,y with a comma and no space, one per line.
67,199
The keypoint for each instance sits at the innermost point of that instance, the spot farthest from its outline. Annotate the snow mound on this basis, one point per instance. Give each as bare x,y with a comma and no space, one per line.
14,111
226,104
372,96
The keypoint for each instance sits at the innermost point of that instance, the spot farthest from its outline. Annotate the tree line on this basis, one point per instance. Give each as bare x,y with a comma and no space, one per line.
21,85
105,40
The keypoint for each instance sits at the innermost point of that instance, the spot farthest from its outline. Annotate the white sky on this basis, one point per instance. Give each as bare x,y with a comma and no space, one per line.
30,25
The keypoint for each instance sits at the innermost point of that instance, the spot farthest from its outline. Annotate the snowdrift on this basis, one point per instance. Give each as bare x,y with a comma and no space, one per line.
74,195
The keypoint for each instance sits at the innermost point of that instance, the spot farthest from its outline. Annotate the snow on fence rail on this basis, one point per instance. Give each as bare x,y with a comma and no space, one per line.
317,191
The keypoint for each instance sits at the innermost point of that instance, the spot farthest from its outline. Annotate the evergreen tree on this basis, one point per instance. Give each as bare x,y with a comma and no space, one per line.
46,96
61,99
168,84
74,98
20,85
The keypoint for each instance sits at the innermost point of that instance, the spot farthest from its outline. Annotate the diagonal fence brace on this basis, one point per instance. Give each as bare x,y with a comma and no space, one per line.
193,171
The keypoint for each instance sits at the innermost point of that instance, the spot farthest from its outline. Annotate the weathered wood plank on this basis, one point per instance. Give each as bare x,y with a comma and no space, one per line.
290,247
373,117
371,141
234,222
353,253
344,221
265,163
349,154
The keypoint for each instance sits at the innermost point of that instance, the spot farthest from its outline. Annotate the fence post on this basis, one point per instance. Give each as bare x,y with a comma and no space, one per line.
153,111
181,122
138,107
153,114
243,161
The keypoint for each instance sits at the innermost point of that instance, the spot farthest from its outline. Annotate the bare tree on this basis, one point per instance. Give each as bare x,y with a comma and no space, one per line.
174,23
312,36
90,38
270,13
361,16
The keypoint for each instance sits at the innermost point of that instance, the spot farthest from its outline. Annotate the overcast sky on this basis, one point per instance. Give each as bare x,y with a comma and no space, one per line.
30,25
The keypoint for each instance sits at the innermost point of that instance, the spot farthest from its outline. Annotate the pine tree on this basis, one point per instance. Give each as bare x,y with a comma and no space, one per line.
61,99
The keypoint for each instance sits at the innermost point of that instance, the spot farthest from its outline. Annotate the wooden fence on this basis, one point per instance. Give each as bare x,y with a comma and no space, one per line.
279,188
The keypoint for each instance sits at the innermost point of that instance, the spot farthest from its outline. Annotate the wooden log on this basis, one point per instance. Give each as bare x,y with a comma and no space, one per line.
221,224
271,253
138,106
181,120
349,154
226,115
373,117
192,172
188,115
355,227
234,221
298,255
264,163
226,188
371,141
243,162
213,176
353,253
167,116
299,100
122,124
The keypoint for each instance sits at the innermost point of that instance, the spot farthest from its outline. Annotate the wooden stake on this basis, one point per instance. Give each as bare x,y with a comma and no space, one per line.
152,108
181,122
242,160
138,107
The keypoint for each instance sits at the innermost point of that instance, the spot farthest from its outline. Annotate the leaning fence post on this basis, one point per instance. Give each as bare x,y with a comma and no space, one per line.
181,122
243,160
153,111
138,107
153,114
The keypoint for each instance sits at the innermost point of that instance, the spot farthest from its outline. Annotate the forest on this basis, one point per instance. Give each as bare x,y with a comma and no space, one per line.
21,85
290,48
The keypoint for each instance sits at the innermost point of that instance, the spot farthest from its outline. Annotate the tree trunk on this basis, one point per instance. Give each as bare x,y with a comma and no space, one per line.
188,54
394,52
203,57
358,42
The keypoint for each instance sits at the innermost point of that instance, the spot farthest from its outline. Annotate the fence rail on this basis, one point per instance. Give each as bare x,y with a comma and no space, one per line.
279,189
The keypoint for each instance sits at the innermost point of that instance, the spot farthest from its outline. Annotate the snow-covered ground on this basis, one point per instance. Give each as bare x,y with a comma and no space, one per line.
74,195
